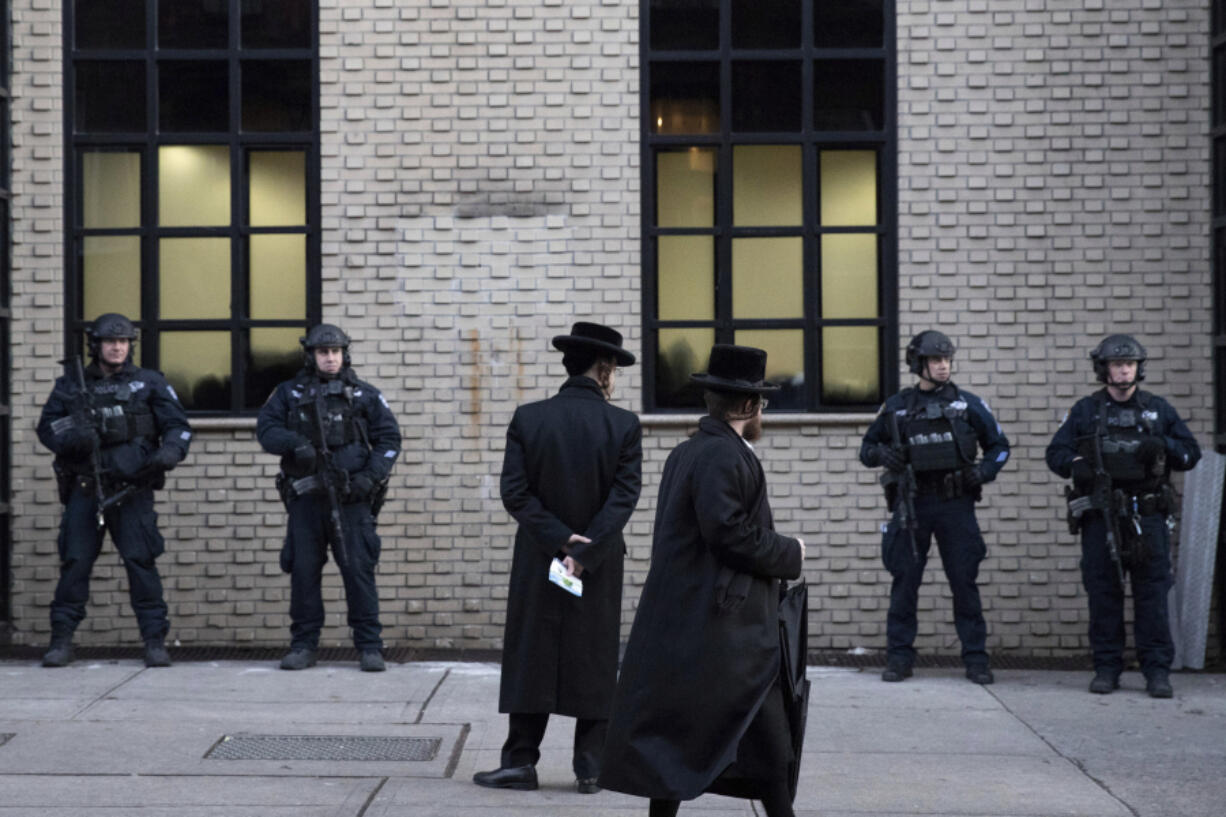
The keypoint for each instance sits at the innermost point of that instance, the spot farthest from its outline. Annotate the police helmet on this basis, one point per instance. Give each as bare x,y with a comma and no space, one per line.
929,343
109,325
1118,347
324,336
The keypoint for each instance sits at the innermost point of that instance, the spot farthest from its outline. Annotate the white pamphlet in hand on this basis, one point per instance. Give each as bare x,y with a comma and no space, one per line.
557,575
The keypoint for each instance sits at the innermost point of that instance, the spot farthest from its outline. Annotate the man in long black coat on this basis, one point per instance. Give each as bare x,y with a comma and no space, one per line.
699,705
570,477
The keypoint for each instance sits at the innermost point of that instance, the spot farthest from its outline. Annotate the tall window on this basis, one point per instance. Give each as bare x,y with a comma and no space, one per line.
769,217
194,203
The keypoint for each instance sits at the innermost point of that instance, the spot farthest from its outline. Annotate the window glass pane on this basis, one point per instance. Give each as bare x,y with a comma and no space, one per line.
765,96
765,23
197,364
277,194
273,355
193,23
684,25
684,97
766,278
194,276
277,269
785,363
277,24
855,24
193,96
276,95
679,354
686,278
193,185
850,362
109,23
848,95
849,276
685,188
767,185
848,188
111,275
110,195
110,96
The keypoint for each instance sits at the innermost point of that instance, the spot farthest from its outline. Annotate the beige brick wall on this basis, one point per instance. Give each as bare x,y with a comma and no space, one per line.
481,191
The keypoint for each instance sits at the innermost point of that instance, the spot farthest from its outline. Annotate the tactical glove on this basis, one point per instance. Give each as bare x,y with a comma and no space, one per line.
165,458
1149,450
892,459
78,443
972,477
1083,474
361,486
304,457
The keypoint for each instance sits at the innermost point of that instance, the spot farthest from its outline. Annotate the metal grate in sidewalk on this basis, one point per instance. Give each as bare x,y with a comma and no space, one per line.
324,747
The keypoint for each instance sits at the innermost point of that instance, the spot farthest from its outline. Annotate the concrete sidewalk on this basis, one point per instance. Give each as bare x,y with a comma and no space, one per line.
111,737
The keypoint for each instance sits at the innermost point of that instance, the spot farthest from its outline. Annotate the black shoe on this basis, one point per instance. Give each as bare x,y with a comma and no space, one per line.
298,658
980,675
586,785
896,672
1158,685
59,653
522,778
372,661
155,653
1105,682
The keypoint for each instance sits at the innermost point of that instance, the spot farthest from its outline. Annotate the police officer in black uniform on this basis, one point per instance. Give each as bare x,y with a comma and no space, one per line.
113,443
1119,446
337,440
928,438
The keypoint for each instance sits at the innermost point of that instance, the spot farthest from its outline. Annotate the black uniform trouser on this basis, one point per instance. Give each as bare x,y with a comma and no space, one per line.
1151,583
133,527
523,746
962,548
306,552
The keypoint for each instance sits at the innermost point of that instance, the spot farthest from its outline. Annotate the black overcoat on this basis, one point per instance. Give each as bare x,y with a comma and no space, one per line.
572,465
704,649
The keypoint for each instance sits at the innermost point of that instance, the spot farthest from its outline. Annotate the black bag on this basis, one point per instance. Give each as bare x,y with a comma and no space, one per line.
794,642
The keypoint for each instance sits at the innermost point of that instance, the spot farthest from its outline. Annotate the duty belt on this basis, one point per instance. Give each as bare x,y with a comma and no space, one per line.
312,484
944,484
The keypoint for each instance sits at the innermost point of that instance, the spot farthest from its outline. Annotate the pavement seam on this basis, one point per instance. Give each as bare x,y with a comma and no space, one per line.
371,797
421,712
103,696
1077,764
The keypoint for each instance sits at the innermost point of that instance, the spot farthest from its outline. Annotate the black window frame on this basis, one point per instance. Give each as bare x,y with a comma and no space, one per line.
239,145
812,141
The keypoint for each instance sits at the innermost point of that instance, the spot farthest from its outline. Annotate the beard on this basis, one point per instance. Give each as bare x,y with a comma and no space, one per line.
752,432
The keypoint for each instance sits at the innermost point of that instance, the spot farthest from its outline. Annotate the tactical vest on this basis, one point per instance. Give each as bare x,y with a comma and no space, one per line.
1123,428
339,420
123,414
938,434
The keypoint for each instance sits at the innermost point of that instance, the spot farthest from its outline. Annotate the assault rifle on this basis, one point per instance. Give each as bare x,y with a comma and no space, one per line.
328,477
1103,498
904,503
85,416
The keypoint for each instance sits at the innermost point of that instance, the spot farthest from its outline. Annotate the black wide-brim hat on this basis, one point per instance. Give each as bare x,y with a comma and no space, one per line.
735,369
594,338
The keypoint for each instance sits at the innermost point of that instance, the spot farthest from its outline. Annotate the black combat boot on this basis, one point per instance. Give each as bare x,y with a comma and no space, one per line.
1105,682
980,674
59,652
156,654
895,672
298,658
372,661
1158,684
